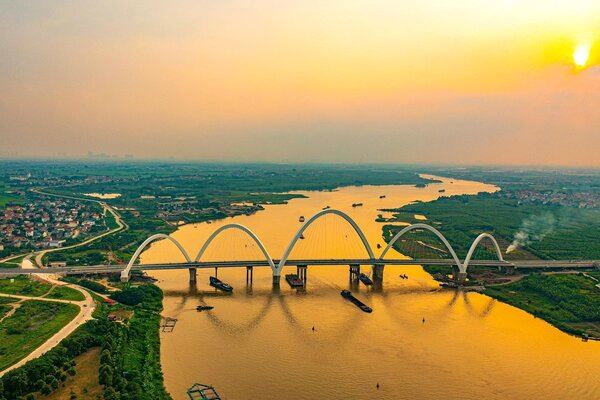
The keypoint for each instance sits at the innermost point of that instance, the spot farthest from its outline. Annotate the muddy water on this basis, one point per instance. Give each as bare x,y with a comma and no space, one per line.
259,343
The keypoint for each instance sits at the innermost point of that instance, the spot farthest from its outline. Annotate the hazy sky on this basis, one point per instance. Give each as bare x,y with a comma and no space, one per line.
463,81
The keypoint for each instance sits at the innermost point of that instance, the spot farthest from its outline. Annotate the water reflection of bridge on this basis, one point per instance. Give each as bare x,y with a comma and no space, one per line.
459,267
273,297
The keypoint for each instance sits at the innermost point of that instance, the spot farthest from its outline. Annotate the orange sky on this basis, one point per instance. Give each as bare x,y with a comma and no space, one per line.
354,81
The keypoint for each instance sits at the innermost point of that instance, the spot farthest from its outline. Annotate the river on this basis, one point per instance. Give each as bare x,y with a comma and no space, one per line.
259,344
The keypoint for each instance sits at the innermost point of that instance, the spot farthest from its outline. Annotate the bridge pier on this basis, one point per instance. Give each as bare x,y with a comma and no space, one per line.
455,272
276,279
378,272
193,274
354,272
457,276
301,272
249,274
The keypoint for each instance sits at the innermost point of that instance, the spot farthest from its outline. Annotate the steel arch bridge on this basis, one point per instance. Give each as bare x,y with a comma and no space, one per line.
459,267
277,265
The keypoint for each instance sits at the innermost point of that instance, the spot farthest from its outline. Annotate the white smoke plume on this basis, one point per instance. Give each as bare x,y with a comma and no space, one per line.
532,229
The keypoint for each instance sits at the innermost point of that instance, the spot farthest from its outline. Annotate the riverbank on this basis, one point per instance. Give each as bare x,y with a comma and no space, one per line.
129,360
570,302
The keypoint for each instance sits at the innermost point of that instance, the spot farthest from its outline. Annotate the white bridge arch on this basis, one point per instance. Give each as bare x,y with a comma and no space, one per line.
277,268
429,228
243,229
474,247
153,238
312,219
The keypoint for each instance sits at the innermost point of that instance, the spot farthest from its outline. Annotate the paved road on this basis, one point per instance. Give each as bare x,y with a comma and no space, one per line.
86,308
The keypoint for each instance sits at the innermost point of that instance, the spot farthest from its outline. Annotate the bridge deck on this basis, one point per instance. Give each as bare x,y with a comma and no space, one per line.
314,262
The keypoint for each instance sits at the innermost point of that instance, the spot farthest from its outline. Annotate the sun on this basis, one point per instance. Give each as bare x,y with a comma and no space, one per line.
581,55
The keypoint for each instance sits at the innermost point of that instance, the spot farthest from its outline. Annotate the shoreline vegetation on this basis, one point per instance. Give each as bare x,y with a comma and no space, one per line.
569,301
127,334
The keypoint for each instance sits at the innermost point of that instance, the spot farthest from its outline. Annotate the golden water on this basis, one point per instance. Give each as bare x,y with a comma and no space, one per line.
258,343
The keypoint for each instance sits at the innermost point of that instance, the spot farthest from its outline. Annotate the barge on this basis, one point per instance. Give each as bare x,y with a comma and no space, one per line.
348,296
219,284
364,278
294,281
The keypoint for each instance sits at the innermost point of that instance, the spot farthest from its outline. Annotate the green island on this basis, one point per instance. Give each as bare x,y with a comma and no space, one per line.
559,216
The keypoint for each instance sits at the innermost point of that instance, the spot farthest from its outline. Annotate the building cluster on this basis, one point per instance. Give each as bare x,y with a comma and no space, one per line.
576,199
45,224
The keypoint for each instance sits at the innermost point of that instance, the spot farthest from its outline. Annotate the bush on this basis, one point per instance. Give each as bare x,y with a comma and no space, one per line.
92,285
149,296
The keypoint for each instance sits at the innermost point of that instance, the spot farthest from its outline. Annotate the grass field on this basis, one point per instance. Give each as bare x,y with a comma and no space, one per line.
30,326
65,293
22,285
13,263
6,198
5,305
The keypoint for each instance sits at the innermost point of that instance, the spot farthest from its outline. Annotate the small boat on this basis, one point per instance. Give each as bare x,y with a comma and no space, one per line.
348,296
378,245
357,204
448,285
326,208
204,308
218,284
301,236
301,219
365,279
441,190
382,196
294,281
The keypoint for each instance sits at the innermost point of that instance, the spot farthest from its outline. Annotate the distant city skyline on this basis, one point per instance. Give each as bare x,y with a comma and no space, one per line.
470,82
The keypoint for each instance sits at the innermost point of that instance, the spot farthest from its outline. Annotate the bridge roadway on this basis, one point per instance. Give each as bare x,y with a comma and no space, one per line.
523,264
